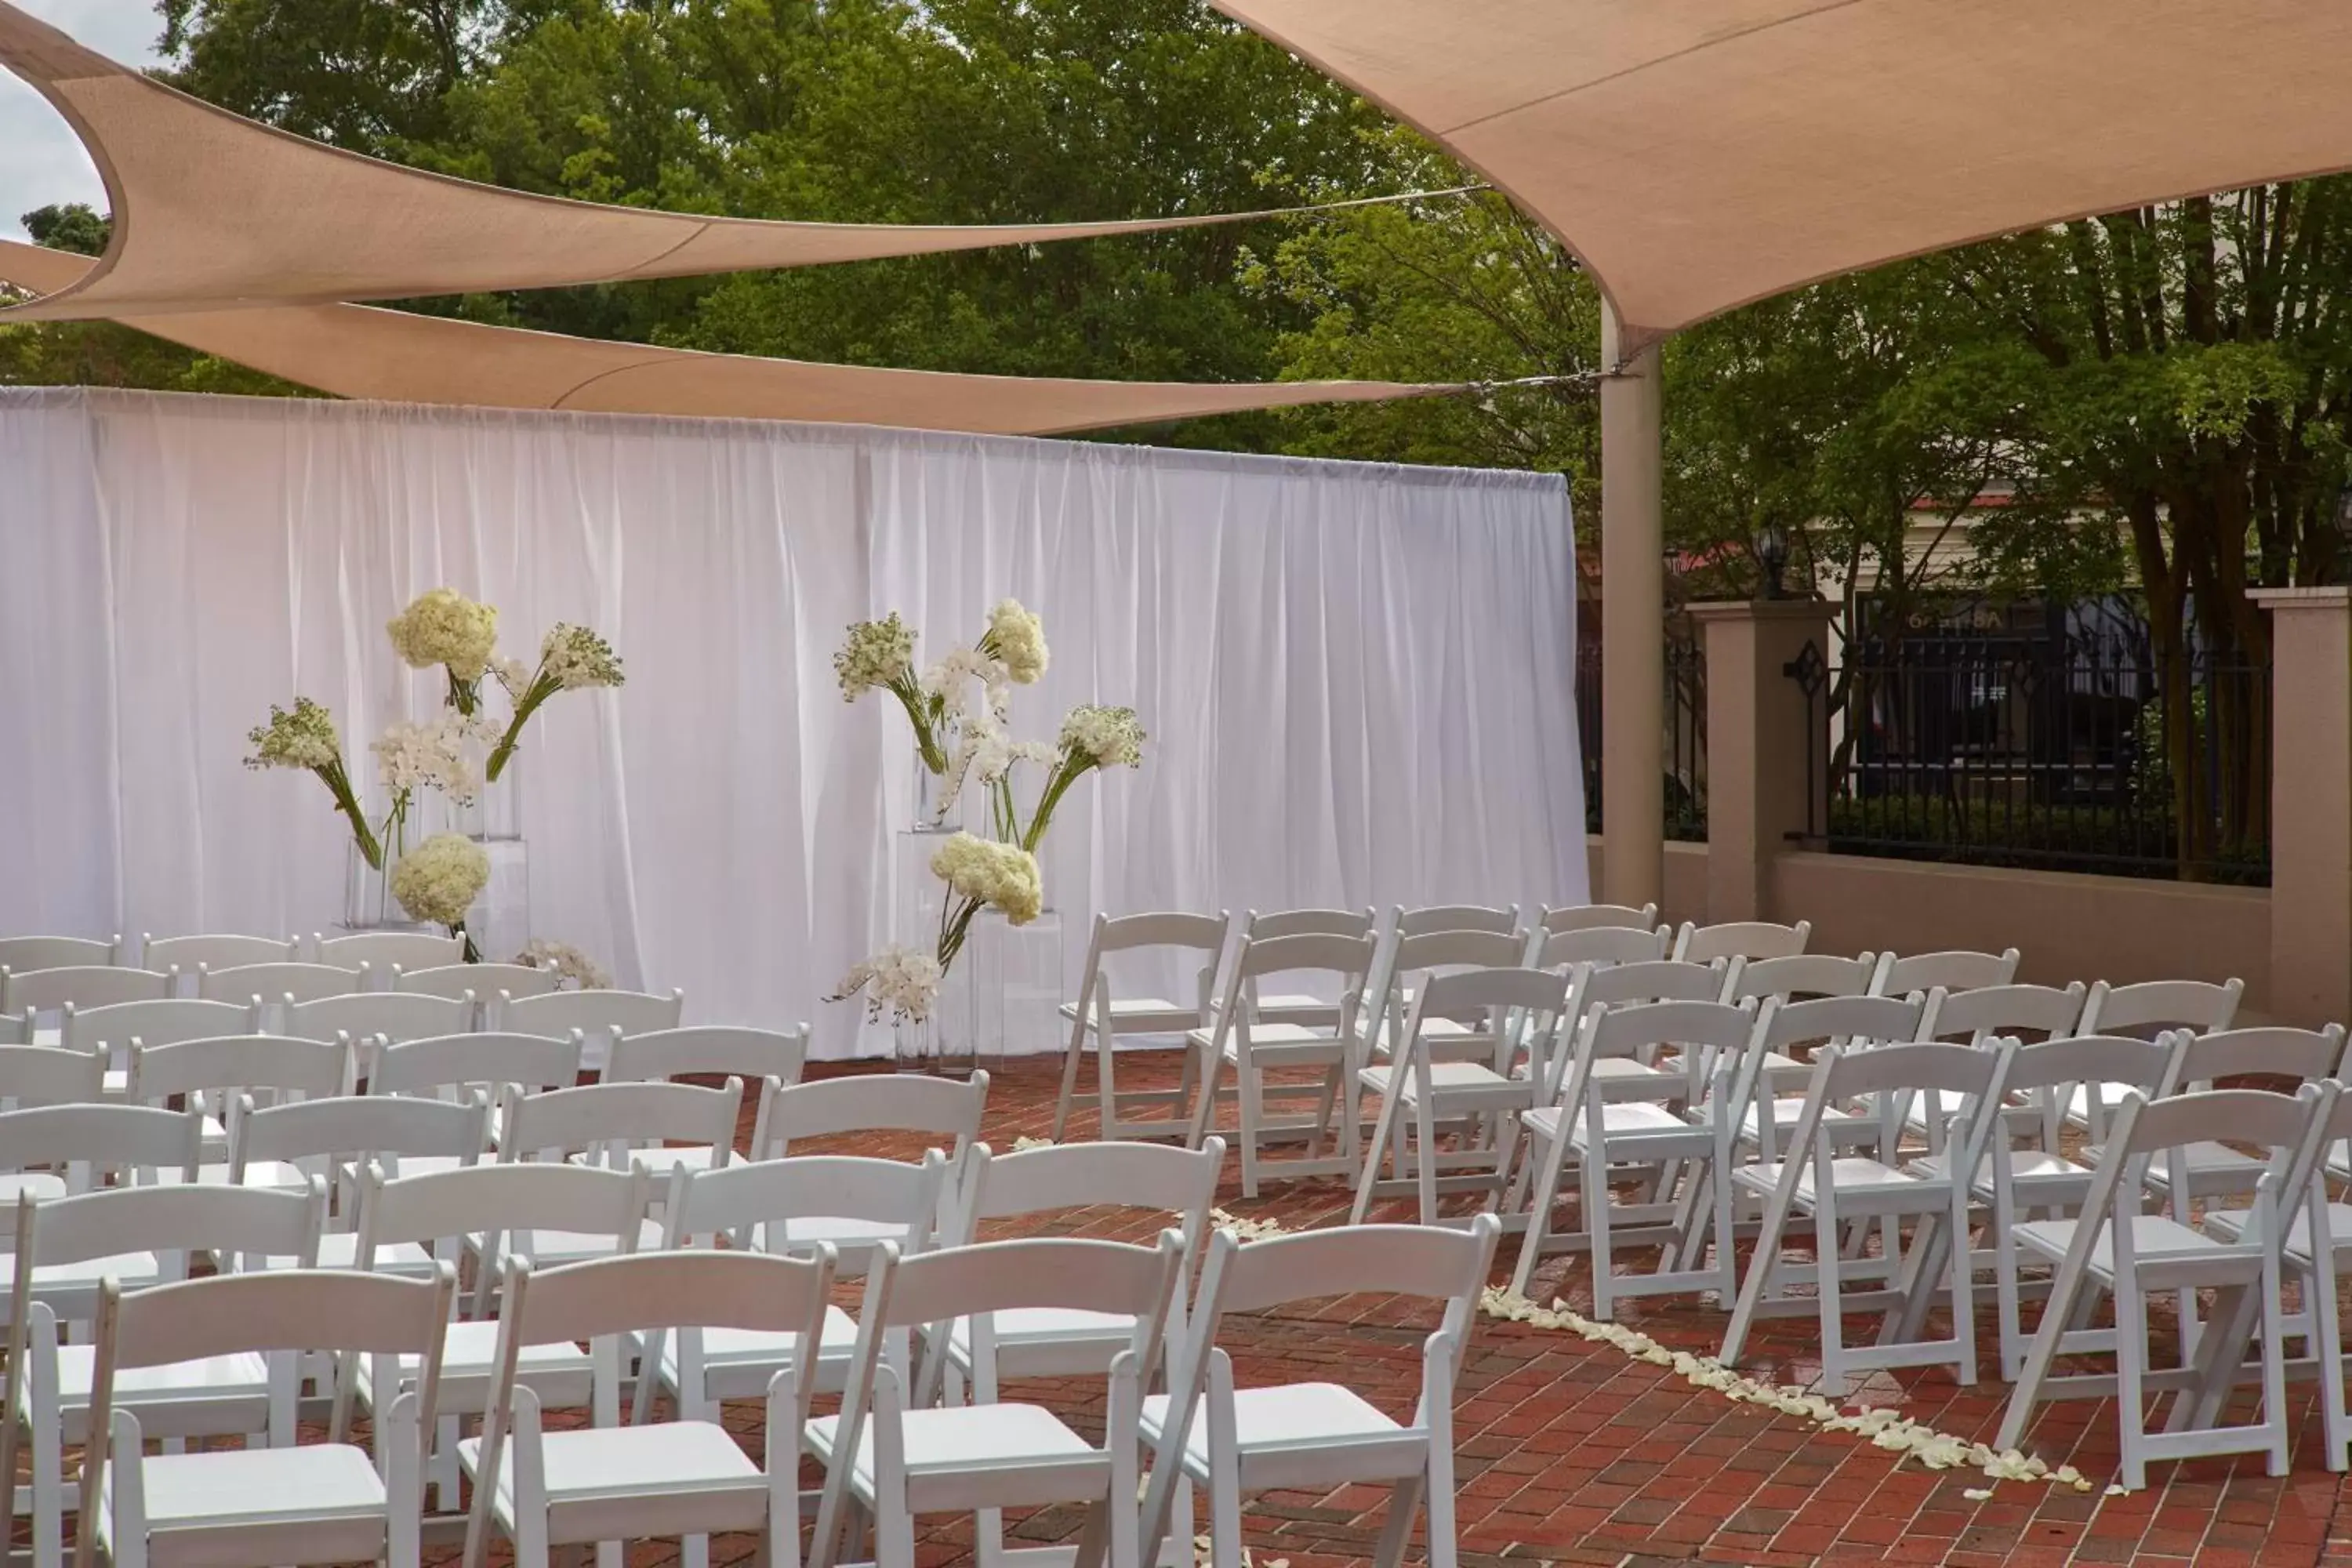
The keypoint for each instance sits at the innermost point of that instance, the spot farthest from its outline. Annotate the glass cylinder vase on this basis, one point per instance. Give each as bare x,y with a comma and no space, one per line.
936,811
368,903
496,811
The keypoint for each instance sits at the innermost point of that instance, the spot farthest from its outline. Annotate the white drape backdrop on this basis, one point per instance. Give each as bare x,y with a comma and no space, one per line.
1358,679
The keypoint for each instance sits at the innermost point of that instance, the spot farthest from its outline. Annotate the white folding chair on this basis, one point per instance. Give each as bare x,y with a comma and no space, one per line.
1302,1008
1798,974
108,1032
481,982
352,1133
1417,1091
934,1108
609,1483
275,987
1656,1118
2211,1168
189,954
1428,918
1985,1013
450,1066
2198,1005
31,993
269,1065
798,1205
2114,1247
897,1460
318,1504
1317,1436
33,1076
1740,938
1598,945
375,1017
1589,917
47,1151
492,1211
770,1059
1758,1104
19,954
604,1124
1953,972
381,952
67,1251
1110,1017
600,1016
1400,964
1815,1180
1250,1047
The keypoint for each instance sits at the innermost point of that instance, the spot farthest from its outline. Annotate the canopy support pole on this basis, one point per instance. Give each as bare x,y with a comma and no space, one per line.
1632,624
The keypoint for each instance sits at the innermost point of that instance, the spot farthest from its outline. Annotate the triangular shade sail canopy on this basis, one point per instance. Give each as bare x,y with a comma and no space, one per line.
358,351
1698,154
216,212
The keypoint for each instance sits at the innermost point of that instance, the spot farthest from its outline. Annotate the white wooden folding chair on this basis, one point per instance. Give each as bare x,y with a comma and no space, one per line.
1798,974
354,1132
609,1483
2150,1008
1503,918
33,1076
769,1058
66,1252
1109,1017
1316,1436
275,986
1815,1180
1246,1047
1302,1008
47,1151
189,954
379,952
1657,1118
609,1124
108,1032
1740,938
1587,916
450,1066
1417,1091
377,1018
482,981
1985,1013
600,1016
2112,1247
211,1071
1760,1107
1954,972
316,1504
492,1211
20,954
1402,963
1600,946
796,1205
34,994
896,1459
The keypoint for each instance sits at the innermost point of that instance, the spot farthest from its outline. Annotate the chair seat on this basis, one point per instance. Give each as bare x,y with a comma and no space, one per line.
2156,1238
2036,1175
1946,1103
1142,1015
1628,1123
2210,1166
548,1249
1786,1113
660,1161
629,1461
2110,1101
1852,1176
134,1270
340,1249
276,1175
181,1382
1298,1418
847,1234
325,1481
981,1438
1032,1328
1457,1080
1278,1039
559,1373
39,1185
2231,1225
763,1348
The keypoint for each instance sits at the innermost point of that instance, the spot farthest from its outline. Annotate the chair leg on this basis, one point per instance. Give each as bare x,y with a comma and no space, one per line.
1424,1165
48,1491
1396,1535
2131,1356
1829,1275
2274,1362
693,1551
1760,1265
1544,1157
1593,1184
894,1534
1368,1177
1246,1080
1063,1102
1205,1104
1106,1093
2319,1287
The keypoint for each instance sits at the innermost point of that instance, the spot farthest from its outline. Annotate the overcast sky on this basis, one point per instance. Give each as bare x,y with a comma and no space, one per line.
40,160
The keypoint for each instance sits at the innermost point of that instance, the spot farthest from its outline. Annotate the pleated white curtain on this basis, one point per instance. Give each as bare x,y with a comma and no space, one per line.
1358,679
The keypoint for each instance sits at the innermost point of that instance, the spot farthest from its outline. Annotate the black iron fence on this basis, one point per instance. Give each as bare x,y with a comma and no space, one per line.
2054,753
1685,741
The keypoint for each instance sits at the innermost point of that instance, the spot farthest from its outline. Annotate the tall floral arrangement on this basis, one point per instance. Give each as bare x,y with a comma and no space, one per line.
960,709
305,738
571,658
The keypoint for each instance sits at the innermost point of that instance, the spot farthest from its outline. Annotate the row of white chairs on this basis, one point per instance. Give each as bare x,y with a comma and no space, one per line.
379,950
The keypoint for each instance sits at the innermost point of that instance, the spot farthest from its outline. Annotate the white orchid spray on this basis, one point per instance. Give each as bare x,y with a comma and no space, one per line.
571,658
570,965
306,738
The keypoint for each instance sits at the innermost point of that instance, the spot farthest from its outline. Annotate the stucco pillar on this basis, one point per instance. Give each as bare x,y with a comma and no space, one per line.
1767,746
1632,627
2311,804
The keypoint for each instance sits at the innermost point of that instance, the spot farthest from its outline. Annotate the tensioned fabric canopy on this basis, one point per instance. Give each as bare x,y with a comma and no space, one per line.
214,211
360,350
1698,154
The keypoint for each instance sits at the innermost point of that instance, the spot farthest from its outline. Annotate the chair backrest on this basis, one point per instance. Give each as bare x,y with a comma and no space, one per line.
447,1207
1350,957
436,1063
608,1119
2195,1004
1742,939
879,1103
712,1050
41,1075
1431,1262
382,1015
189,953
1873,1019
1956,970
1896,1075
1175,930
1800,974
593,1012
645,1290
139,1141
235,1223
480,980
758,1202
1399,955
1593,944
380,1128
382,951
1431,917
1703,1033
80,986
19,954
1154,1176
1515,1006
1658,980
2303,1055
1984,1012
1591,917
276,983
162,1022
272,1062
1309,922
1113,1276
2048,1073
2147,1130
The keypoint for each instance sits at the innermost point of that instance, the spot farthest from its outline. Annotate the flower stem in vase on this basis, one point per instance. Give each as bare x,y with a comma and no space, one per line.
540,691
340,784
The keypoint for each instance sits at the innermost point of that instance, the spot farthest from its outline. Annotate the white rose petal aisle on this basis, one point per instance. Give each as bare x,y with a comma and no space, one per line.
980,913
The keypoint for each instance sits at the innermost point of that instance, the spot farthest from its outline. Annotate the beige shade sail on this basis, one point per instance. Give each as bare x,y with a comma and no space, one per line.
1698,154
358,351
213,212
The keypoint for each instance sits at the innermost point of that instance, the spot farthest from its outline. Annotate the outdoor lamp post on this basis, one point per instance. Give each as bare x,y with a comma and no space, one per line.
1772,555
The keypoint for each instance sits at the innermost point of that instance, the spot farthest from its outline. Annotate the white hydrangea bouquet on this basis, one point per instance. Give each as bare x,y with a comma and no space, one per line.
960,709
438,881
